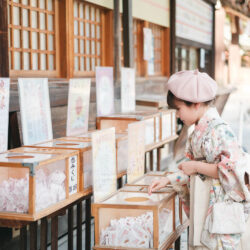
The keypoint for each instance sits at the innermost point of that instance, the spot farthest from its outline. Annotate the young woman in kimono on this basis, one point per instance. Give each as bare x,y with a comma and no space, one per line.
212,150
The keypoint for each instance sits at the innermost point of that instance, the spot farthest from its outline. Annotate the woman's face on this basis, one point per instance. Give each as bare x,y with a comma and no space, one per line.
187,114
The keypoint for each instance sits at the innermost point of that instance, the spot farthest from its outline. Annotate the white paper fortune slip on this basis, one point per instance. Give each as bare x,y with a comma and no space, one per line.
136,150
35,110
104,163
78,107
4,112
127,90
104,91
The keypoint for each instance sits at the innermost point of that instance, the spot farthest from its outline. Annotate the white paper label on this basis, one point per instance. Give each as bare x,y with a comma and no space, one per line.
72,175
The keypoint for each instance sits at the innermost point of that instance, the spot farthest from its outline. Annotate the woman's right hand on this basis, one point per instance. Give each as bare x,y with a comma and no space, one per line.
158,184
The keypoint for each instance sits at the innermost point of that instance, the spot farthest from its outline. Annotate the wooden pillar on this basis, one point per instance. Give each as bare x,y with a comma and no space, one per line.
117,42
172,35
212,67
4,55
128,45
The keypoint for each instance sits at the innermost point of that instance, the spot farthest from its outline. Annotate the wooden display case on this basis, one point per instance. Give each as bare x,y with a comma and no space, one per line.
121,149
121,120
35,184
85,152
130,219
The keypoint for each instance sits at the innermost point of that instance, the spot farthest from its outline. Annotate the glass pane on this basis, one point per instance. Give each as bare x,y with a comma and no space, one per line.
33,19
42,4
42,61
75,9
81,10
98,35
183,65
82,46
42,41
92,13
183,53
33,3
26,61
50,23
16,38
98,48
76,45
42,21
25,18
87,64
87,12
51,42
82,64
34,40
87,47
16,15
25,2
97,15
98,62
75,28
93,64
51,62
76,64
34,61
26,43
92,30
192,59
17,60
50,5
93,47
87,29
81,29
9,37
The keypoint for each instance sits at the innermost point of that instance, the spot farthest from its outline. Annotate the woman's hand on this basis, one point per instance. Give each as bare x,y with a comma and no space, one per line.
188,167
157,185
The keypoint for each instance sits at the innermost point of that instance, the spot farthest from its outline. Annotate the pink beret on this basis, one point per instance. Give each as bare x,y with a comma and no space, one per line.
192,86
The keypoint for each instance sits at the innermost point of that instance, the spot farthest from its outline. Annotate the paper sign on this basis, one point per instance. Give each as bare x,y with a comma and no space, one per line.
72,175
104,163
104,91
136,150
35,110
4,112
78,107
128,90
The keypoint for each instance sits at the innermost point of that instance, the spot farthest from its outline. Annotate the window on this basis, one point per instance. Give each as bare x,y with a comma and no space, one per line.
87,37
32,37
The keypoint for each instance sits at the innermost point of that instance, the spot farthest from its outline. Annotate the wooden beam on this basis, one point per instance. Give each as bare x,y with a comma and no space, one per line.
212,67
172,35
4,55
117,42
128,45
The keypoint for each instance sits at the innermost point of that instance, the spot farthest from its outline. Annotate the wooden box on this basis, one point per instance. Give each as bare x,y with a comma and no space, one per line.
130,219
121,149
35,184
167,124
121,120
85,152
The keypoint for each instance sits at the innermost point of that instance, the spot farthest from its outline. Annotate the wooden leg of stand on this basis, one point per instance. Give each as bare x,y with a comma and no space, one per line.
70,228
44,234
88,224
79,225
33,235
54,233
23,238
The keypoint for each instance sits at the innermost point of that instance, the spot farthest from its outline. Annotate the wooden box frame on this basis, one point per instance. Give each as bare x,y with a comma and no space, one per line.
170,197
69,145
32,214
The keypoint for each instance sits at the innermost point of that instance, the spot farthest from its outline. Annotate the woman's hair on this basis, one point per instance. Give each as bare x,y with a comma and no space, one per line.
171,100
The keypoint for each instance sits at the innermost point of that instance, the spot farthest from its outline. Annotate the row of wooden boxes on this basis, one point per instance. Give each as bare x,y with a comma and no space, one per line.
131,219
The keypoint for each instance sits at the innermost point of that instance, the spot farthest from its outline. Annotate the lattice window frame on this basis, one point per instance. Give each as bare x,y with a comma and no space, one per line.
47,31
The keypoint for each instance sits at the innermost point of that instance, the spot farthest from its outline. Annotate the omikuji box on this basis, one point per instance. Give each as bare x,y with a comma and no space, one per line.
35,184
133,219
167,124
85,152
120,122
121,149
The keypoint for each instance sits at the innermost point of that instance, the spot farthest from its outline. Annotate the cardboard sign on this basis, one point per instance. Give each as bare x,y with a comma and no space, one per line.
4,112
35,110
78,107
136,150
128,90
104,91
104,163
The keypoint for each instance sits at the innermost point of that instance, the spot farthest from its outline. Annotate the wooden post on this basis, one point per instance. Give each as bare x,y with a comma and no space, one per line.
44,234
117,42
172,35
127,21
4,55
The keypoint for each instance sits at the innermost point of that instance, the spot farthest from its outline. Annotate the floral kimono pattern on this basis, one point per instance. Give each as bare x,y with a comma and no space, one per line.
214,141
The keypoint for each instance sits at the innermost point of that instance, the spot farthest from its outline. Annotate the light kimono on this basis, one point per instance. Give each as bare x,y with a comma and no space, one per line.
214,141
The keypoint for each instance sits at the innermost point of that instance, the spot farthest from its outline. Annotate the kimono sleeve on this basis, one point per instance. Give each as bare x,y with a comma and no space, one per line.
220,146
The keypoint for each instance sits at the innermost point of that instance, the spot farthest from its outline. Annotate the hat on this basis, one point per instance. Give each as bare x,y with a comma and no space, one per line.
192,86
